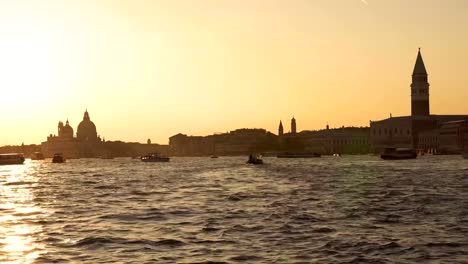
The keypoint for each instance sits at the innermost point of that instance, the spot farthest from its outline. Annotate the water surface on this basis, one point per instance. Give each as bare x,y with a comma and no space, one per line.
353,209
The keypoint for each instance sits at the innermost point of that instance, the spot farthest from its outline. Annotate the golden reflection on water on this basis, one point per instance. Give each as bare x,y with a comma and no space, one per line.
18,212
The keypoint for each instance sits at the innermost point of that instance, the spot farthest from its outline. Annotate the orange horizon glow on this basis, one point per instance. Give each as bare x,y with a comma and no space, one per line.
152,69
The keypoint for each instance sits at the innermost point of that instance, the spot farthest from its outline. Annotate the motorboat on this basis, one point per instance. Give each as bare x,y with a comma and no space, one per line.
255,159
465,154
58,158
214,157
299,155
11,158
154,157
107,156
398,154
37,156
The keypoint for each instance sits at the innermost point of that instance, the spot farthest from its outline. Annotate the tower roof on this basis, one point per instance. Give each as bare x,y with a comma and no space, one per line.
419,67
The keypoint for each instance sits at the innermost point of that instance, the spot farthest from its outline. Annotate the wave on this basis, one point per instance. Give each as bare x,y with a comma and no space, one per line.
106,187
446,244
18,183
153,216
101,241
243,258
210,262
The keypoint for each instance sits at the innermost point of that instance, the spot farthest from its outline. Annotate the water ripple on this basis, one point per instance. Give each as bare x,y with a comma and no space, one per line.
354,209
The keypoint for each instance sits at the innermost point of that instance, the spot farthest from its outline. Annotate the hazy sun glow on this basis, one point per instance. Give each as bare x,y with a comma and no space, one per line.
151,69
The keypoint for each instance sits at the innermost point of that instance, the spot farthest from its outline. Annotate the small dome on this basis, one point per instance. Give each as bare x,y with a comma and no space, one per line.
67,130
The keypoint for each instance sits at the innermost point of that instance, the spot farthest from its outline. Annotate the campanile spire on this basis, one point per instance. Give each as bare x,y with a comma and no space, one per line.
419,88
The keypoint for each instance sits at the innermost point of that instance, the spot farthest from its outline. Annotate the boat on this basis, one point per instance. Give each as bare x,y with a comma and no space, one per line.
214,157
58,158
299,155
154,157
465,154
11,158
398,154
254,159
37,156
107,156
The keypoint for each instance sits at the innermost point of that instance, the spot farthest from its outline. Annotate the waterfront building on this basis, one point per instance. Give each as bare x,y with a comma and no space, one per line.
344,140
85,144
64,142
237,142
448,138
88,144
404,131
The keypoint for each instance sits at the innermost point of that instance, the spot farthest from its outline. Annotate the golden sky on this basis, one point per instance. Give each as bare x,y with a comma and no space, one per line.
151,69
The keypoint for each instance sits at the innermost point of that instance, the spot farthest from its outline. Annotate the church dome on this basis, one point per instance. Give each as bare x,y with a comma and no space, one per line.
67,130
86,129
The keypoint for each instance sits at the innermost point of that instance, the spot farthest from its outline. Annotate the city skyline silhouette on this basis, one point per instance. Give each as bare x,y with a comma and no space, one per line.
151,70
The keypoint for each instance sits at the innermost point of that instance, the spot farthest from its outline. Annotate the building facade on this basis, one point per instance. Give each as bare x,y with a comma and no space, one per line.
404,131
88,144
85,144
344,140
237,142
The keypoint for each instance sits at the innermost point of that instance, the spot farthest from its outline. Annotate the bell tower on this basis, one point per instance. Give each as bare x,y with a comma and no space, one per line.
419,89
280,129
293,125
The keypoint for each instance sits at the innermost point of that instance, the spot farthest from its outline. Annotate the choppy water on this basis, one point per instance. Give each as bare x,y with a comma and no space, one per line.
355,209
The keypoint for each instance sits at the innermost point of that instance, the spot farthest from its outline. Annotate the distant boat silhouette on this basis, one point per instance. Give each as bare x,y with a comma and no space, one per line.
299,155
154,157
398,154
465,154
255,159
58,158
107,156
11,158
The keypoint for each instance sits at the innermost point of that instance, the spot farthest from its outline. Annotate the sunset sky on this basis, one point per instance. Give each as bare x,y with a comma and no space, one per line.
151,69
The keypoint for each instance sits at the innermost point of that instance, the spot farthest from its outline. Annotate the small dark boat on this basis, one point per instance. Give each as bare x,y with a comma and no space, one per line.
214,157
299,155
58,158
465,154
37,156
254,159
11,159
154,157
398,154
107,156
